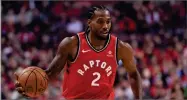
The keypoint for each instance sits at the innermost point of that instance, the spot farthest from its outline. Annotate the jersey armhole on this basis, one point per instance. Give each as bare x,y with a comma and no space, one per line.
78,49
116,50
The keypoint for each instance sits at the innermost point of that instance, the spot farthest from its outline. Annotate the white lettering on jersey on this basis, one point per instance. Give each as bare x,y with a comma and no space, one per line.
109,73
85,67
103,65
96,63
91,63
80,72
108,69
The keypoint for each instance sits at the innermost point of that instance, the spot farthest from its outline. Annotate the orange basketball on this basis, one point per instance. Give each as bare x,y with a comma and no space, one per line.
34,80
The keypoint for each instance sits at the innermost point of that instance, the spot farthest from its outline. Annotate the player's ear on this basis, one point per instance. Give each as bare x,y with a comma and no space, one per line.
89,22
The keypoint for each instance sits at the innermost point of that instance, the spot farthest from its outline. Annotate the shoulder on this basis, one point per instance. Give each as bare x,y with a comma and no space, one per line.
68,43
124,45
124,48
121,44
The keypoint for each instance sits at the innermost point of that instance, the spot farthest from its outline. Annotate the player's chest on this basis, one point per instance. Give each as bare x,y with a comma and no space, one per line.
88,59
88,54
90,63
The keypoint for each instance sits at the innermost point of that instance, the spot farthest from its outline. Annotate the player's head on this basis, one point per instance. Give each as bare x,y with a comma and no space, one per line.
99,22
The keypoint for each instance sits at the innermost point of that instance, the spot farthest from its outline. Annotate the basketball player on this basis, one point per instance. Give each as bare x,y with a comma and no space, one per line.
90,61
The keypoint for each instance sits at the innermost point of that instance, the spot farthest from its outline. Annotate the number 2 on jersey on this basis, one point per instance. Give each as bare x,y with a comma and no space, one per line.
94,82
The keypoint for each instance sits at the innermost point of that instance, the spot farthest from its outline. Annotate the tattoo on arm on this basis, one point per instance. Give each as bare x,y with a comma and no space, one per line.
59,60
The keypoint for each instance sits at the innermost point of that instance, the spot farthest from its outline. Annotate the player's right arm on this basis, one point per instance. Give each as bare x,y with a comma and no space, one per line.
59,61
57,64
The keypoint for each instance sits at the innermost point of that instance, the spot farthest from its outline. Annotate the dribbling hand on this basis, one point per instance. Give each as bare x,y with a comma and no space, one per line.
18,86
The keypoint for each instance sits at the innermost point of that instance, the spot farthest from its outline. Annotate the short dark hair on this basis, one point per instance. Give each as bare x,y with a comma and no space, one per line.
91,13
93,9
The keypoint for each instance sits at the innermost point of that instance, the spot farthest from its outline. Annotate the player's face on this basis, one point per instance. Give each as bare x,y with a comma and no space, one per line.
100,24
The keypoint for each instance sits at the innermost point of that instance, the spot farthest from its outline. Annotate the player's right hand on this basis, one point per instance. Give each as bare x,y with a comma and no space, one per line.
18,86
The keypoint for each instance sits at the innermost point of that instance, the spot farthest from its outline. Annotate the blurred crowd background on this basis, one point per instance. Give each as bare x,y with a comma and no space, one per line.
31,31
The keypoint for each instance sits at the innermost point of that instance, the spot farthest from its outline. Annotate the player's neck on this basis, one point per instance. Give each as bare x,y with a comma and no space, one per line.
95,42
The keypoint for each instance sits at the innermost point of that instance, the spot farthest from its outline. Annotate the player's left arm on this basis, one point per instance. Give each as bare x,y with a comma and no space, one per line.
125,53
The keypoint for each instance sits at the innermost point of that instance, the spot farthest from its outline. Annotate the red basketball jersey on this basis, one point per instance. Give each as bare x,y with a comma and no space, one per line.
92,74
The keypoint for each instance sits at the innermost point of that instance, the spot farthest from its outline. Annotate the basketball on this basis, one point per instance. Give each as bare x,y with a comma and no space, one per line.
34,81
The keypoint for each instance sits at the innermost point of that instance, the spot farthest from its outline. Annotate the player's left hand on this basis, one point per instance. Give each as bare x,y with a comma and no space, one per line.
18,86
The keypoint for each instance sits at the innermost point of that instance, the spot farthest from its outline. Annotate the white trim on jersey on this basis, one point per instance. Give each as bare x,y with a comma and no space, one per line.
77,54
116,51
87,40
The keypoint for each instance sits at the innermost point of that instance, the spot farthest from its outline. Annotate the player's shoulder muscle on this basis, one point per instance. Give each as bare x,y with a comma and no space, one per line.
67,43
124,45
124,49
